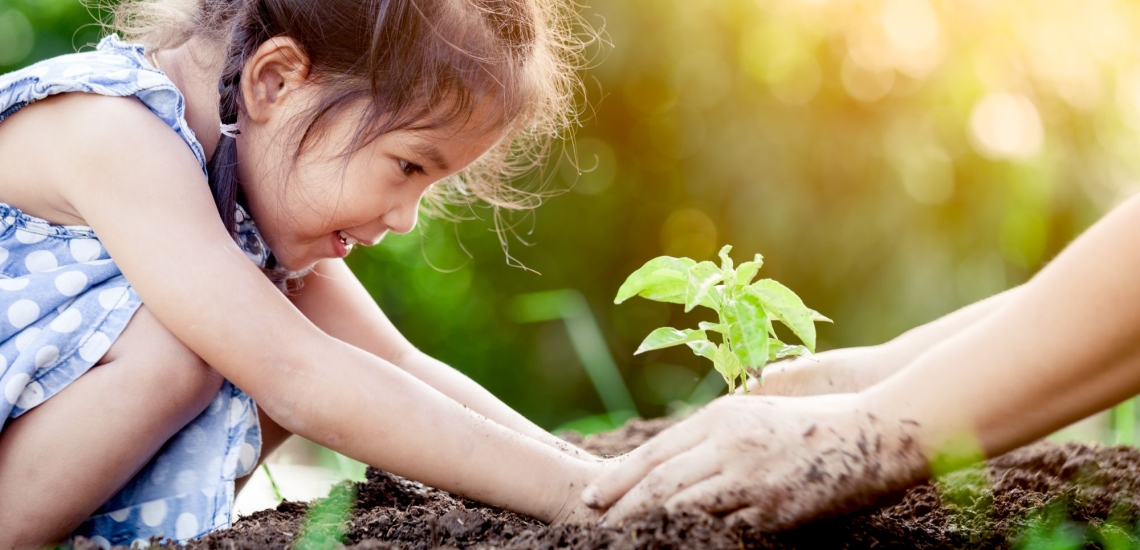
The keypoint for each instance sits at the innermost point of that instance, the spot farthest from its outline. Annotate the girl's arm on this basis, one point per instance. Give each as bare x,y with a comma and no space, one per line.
1067,344
146,198
848,370
334,299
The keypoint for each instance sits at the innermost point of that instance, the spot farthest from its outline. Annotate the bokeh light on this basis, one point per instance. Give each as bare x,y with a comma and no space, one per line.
16,36
1006,126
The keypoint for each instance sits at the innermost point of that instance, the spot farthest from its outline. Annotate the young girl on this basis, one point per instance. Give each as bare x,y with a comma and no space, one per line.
136,336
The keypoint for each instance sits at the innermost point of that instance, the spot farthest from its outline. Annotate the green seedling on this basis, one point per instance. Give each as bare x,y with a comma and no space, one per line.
745,311
326,522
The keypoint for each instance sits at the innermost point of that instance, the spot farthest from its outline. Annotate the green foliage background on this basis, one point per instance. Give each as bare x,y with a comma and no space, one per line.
892,160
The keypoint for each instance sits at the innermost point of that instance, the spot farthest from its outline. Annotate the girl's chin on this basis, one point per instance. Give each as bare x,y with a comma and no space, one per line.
298,263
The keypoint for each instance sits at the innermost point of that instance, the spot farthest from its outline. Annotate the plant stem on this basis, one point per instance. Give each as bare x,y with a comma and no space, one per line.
1124,422
272,483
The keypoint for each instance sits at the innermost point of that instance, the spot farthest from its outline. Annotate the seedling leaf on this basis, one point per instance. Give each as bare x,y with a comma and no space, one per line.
748,270
725,261
818,317
665,337
728,365
703,348
785,306
703,278
663,279
715,327
747,329
780,350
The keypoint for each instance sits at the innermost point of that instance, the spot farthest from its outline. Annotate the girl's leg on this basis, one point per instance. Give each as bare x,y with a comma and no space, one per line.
60,461
272,436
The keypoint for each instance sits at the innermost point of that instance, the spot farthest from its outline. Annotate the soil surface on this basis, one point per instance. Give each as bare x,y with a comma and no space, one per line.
1045,495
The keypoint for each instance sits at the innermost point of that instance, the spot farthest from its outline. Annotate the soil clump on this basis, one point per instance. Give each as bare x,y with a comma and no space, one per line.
1078,495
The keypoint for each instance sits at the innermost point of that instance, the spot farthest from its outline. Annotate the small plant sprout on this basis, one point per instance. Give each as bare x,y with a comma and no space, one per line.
745,311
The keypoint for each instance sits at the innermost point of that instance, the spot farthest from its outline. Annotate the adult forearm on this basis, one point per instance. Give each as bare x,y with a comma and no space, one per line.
847,370
895,354
1064,346
375,412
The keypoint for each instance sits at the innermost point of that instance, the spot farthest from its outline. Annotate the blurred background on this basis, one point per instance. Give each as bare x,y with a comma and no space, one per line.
891,159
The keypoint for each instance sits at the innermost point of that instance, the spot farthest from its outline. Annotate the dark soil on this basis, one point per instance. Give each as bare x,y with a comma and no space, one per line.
1044,495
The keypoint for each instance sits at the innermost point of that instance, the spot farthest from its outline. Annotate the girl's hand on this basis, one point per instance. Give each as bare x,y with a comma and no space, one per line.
848,370
573,508
771,461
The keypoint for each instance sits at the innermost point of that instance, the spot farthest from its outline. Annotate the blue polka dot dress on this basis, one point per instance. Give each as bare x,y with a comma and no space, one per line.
63,302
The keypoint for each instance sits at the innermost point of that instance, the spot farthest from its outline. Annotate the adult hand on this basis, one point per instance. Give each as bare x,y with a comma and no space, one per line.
773,462
846,370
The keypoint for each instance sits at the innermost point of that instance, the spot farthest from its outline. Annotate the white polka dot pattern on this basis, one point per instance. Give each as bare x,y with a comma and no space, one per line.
28,237
153,512
70,283
32,395
67,321
85,250
94,347
40,261
15,387
46,356
23,312
14,284
114,297
186,526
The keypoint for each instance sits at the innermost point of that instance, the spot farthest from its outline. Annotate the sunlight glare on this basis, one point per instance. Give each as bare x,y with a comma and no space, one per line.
1006,126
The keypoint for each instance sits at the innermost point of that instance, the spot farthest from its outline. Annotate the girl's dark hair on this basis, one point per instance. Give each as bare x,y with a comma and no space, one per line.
415,64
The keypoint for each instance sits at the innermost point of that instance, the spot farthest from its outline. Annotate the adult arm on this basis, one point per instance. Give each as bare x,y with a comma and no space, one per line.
333,298
146,198
848,370
1064,346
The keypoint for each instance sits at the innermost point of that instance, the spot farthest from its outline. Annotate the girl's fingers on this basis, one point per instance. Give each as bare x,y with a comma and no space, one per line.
676,474
612,485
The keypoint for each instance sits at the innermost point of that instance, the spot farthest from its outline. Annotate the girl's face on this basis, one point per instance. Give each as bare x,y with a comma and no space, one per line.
322,205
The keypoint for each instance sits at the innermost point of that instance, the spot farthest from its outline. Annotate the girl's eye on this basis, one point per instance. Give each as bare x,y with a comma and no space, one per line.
410,169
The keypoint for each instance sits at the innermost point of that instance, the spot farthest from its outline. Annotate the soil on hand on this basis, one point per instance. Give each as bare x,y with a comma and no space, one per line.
1077,495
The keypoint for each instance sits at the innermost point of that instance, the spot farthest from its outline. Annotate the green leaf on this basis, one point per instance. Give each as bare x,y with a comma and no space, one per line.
748,270
703,348
785,306
663,279
665,337
818,317
715,327
702,278
747,329
725,261
780,350
728,365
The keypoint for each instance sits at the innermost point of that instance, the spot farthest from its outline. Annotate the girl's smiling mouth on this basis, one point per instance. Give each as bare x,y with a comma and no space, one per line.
343,243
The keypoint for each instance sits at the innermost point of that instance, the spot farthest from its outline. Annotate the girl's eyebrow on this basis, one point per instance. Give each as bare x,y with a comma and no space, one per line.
432,153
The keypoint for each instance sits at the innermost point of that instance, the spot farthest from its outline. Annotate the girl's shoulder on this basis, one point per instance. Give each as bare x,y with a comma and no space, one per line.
114,68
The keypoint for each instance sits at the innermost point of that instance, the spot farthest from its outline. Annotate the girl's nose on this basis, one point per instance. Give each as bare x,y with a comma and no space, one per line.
402,218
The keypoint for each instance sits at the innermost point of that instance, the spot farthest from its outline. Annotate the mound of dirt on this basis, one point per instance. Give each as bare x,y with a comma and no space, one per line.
1077,495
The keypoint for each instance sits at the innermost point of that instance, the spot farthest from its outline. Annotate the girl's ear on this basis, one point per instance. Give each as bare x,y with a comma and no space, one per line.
278,67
